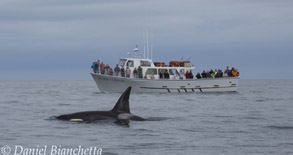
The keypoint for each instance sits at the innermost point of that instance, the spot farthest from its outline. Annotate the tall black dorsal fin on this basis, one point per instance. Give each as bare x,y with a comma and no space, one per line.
122,104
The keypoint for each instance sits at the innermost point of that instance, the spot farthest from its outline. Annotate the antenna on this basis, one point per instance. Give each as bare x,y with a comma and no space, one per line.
136,50
151,45
144,45
147,40
151,51
147,52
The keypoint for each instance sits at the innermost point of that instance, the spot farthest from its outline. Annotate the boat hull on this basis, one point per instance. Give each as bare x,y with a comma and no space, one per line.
108,83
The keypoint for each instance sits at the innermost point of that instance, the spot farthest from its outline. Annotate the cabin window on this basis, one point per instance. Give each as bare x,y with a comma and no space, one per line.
162,70
122,62
130,63
151,70
173,72
182,71
145,63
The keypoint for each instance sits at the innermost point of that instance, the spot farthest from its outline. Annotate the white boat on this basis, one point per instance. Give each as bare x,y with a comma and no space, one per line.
150,81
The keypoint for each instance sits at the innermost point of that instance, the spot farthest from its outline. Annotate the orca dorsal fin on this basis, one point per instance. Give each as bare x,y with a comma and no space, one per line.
122,104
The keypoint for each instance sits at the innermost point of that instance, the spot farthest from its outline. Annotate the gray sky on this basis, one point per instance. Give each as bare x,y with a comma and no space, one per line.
58,40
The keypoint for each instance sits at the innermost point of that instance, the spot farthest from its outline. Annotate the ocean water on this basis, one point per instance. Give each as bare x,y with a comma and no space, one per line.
258,119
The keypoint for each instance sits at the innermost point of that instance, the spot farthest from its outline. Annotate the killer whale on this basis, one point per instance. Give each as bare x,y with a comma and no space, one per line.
120,112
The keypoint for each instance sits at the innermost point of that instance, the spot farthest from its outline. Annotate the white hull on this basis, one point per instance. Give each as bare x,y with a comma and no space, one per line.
108,83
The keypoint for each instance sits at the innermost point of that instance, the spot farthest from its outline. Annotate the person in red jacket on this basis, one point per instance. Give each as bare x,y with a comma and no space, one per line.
187,75
102,67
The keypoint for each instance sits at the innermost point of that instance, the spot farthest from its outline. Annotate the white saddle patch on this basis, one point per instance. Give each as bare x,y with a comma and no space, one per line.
124,116
76,120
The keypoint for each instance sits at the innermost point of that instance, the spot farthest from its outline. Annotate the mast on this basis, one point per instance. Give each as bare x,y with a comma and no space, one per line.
151,45
147,41
144,45
151,51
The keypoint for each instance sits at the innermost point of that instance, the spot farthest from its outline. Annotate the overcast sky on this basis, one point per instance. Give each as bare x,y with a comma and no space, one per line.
59,39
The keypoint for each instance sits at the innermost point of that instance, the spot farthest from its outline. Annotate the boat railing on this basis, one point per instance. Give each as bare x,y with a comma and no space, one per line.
156,77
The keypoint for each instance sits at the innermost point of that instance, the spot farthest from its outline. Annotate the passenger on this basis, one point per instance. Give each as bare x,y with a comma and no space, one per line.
102,68
161,75
187,75
128,71
122,72
213,75
166,75
117,70
177,76
153,75
110,71
230,72
107,69
226,71
198,75
204,74
211,71
208,74
219,73
135,73
97,66
94,67
181,73
139,71
191,75
235,73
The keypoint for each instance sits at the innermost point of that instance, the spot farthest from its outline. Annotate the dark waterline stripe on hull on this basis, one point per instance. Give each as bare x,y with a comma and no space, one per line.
188,88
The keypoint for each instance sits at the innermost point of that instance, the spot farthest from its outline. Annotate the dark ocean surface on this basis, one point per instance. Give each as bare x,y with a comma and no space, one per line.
256,120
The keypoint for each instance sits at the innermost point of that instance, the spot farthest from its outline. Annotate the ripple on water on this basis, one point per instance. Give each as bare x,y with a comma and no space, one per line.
12,102
281,127
157,118
254,118
64,104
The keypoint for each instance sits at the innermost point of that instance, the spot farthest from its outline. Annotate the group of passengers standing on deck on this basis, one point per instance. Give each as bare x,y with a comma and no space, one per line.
106,69
138,73
218,73
102,68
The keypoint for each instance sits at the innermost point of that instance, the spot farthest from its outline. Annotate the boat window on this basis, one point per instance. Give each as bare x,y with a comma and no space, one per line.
151,70
182,72
122,62
162,70
130,63
173,72
145,63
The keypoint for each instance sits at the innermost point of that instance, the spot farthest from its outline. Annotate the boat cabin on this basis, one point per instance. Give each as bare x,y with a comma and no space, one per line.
151,70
